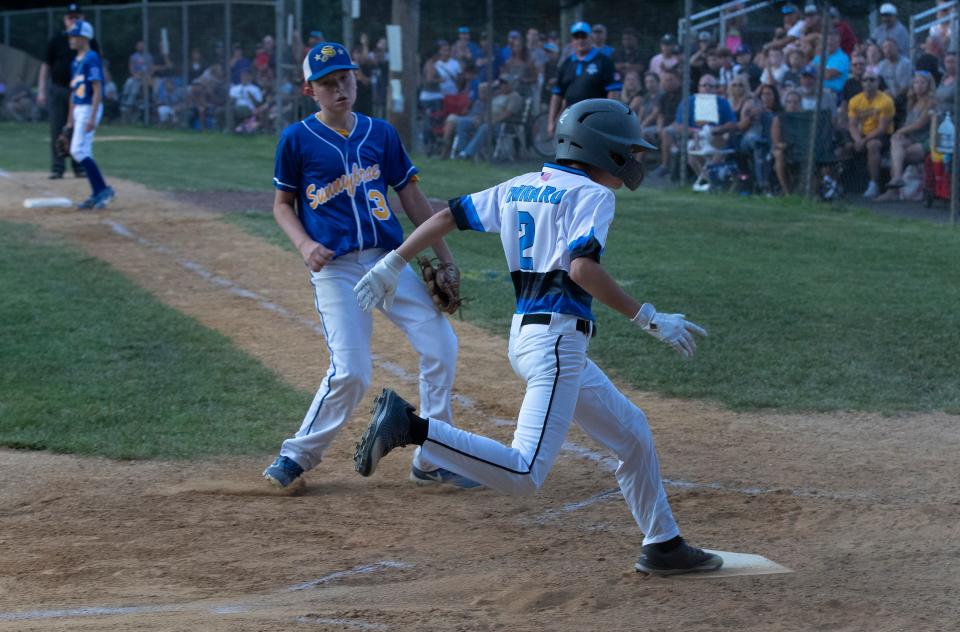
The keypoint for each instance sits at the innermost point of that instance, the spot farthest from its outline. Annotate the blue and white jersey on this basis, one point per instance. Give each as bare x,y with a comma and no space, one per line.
83,72
545,221
341,182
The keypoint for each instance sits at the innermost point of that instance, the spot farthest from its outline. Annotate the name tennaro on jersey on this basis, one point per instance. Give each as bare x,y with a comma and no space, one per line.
348,182
528,193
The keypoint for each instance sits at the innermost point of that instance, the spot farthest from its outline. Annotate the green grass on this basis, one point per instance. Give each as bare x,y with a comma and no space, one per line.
92,364
809,307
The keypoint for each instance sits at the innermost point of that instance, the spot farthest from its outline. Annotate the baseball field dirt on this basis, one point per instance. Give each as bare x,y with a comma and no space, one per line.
864,508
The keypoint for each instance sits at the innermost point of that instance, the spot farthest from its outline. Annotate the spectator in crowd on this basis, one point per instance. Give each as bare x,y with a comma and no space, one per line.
586,74
744,65
550,69
895,70
628,56
632,88
519,69
874,56
808,92
942,30
793,27
848,39
506,105
140,67
245,97
647,107
440,75
599,34
458,129
945,90
719,130
53,88
196,66
698,60
206,98
366,72
111,95
930,56
891,28
791,103
163,66
725,73
837,67
465,49
238,65
671,94
170,100
506,51
911,143
266,53
852,87
870,123
667,58
775,68
535,50
757,138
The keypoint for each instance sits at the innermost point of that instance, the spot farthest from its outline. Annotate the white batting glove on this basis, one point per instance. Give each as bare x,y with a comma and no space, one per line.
672,329
379,285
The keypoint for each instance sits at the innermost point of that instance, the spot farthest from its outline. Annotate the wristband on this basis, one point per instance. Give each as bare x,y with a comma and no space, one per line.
644,316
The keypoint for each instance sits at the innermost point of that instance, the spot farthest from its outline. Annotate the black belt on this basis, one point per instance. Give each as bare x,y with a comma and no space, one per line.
583,325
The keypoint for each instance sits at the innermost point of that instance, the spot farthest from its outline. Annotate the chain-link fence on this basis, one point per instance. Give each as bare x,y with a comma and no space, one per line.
486,80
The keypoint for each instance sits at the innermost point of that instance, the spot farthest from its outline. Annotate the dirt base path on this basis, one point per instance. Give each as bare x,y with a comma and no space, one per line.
863,507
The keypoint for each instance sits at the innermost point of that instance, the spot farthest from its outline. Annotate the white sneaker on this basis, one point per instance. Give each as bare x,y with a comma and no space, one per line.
872,191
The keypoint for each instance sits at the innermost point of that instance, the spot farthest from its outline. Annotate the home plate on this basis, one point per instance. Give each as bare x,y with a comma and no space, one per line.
48,202
735,564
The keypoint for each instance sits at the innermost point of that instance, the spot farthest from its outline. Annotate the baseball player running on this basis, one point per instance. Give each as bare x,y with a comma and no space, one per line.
85,111
331,177
553,226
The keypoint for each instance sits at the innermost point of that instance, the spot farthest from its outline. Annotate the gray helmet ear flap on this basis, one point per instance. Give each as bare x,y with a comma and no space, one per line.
605,134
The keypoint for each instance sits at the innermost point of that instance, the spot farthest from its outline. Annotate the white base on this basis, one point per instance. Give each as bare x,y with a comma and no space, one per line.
735,564
50,202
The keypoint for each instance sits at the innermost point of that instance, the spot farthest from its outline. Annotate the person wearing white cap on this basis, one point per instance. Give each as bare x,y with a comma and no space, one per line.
891,28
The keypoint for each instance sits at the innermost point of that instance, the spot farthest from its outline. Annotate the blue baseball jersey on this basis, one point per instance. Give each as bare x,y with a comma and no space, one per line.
83,72
545,221
341,182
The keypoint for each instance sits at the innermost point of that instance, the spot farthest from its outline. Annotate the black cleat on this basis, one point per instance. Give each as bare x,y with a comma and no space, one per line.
389,428
683,559
55,175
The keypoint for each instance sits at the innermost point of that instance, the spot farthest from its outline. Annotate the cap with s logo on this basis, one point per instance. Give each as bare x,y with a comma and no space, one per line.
325,58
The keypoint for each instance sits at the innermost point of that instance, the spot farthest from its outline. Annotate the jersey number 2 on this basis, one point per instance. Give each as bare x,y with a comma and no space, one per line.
527,232
378,205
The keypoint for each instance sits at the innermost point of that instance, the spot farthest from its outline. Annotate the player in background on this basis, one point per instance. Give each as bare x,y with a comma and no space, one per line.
86,109
553,226
331,177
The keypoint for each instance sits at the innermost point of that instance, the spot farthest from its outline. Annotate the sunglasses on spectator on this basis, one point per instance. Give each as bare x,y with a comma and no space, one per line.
580,35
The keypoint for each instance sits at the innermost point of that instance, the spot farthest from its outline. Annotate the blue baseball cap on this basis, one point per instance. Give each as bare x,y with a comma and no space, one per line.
324,58
81,29
788,9
580,27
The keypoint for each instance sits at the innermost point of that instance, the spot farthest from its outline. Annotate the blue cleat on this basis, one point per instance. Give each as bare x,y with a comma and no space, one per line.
441,476
89,203
282,472
389,429
103,198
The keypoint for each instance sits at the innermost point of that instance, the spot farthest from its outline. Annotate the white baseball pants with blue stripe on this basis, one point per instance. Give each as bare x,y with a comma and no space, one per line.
347,329
563,386
81,143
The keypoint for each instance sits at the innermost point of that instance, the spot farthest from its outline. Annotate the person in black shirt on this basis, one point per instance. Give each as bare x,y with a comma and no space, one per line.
587,74
53,91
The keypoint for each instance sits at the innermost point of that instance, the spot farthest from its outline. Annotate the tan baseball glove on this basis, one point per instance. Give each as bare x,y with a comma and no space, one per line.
62,143
443,283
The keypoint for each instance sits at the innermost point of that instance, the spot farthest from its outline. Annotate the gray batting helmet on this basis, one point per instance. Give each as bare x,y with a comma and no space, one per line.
603,133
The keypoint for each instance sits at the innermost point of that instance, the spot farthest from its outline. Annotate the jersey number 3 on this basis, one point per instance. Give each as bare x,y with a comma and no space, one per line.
527,232
378,205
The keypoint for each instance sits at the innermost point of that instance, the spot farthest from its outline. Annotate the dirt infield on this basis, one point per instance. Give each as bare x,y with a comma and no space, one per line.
863,507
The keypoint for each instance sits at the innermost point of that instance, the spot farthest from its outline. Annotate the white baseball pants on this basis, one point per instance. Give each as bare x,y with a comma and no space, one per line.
81,143
563,385
347,329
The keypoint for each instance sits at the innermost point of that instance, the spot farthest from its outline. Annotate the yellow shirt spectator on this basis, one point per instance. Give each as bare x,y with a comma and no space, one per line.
868,112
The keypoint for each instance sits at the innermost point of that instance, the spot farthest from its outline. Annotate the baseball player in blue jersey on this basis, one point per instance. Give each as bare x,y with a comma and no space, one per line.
85,111
553,226
331,177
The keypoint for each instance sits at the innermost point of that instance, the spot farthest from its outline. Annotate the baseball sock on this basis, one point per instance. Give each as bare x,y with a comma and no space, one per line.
418,429
93,175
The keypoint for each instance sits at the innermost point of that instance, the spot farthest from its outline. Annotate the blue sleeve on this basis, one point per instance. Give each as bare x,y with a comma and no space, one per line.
94,67
286,169
396,166
678,119
726,112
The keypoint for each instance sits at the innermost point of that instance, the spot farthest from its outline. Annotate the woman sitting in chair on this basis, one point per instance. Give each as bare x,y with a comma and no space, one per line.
911,143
